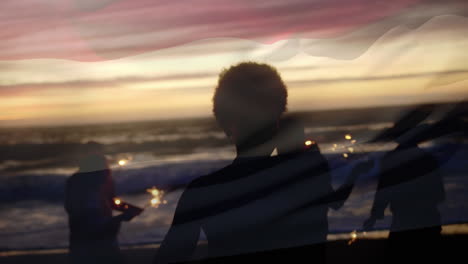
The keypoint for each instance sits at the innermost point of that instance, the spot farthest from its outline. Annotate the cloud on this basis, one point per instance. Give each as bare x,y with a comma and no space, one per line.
22,88
26,87
353,44
18,89
115,29
380,78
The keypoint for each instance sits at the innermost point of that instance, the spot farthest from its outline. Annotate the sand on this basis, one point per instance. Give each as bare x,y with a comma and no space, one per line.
362,251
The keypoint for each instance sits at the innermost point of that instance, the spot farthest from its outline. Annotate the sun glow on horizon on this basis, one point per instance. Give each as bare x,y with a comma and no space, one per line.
178,82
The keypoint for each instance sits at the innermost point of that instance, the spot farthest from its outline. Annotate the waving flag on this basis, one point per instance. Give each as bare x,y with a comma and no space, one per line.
111,29
376,119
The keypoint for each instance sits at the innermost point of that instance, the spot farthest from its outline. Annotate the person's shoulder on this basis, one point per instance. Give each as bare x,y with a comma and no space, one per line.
214,177
72,178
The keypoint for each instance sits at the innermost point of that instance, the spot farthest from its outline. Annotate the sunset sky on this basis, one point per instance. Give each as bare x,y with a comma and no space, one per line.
410,53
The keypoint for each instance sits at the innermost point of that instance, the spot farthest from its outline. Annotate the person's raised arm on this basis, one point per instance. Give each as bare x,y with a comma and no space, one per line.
344,191
181,240
381,201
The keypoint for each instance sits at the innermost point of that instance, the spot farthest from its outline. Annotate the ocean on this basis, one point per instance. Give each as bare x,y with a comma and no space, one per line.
35,163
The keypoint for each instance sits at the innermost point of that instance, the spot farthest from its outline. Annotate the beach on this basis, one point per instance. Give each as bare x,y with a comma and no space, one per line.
169,155
339,251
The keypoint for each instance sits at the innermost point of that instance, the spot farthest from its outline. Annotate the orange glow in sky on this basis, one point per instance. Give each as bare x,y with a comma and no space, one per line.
178,82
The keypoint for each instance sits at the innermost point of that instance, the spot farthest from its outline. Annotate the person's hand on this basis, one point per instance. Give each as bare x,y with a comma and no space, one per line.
369,223
127,216
130,213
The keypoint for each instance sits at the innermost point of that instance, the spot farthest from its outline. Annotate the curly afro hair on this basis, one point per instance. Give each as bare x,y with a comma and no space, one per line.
249,95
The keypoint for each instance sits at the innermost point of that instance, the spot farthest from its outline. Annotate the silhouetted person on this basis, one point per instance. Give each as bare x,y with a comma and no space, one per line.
89,204
411,185
272,206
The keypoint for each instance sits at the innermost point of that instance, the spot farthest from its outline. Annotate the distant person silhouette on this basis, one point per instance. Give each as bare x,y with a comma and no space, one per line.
89,204
411,184
261,207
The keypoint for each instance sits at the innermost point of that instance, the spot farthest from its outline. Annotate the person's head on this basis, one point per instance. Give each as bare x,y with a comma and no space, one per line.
93,163
93,158
407,129
93,147
249,100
